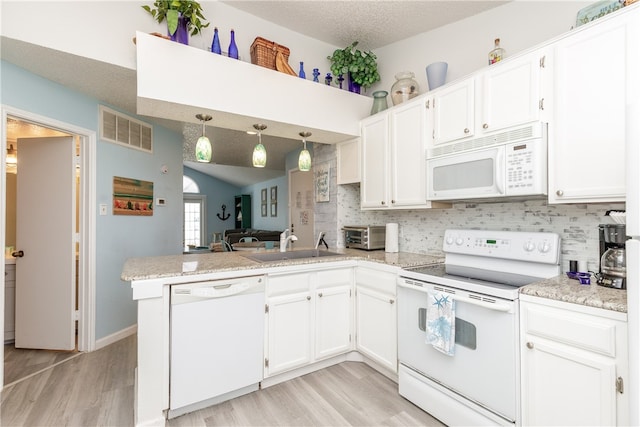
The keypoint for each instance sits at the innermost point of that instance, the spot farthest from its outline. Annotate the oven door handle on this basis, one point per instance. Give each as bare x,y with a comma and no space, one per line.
490,305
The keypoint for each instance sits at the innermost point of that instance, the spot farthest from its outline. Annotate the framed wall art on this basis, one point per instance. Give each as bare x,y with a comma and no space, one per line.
132,197
263,202
321,181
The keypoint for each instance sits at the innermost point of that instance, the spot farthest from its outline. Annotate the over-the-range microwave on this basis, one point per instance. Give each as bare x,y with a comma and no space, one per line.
508,164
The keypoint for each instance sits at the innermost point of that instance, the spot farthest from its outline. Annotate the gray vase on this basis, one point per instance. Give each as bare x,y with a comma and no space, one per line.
436,74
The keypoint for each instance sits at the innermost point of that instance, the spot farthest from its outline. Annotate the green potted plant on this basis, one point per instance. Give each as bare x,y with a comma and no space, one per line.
361,67
174,11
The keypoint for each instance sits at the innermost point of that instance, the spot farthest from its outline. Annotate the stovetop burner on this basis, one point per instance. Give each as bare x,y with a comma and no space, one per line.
495,263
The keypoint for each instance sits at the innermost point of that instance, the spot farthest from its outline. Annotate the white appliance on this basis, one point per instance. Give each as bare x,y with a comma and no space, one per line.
217,342
479,383
632,247
507,164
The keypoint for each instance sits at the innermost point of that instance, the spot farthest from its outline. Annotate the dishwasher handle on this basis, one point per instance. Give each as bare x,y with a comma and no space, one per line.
191,292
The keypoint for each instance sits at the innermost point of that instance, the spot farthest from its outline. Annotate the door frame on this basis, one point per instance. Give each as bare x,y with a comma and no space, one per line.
87,221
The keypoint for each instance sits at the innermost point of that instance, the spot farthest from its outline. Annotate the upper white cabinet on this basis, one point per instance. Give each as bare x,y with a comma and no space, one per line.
348,158
393,158
502,96
574,364
587,134
453,112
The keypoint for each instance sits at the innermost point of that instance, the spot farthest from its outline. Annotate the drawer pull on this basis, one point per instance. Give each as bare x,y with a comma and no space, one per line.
529,345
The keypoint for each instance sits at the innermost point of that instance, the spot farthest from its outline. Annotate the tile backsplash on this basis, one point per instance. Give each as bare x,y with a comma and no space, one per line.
421,231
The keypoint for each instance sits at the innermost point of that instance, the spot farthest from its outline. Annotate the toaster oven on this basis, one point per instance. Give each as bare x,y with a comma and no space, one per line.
367,237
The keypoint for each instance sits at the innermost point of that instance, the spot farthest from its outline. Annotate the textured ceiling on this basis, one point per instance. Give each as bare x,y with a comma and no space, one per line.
372,23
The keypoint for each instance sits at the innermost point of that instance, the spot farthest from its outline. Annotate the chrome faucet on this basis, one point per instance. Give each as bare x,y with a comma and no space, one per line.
321,240
284,240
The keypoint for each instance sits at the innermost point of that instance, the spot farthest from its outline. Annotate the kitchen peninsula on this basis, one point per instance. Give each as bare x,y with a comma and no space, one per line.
374,273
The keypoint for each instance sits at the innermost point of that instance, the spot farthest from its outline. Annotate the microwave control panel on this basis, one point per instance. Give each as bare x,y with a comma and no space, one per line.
523,168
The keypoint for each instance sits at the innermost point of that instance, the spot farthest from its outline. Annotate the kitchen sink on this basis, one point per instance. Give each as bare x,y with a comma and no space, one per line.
283,256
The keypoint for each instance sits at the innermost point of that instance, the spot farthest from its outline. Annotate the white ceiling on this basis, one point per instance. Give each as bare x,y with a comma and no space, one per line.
372,23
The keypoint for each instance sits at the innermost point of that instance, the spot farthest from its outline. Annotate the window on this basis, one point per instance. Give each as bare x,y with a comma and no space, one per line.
195,215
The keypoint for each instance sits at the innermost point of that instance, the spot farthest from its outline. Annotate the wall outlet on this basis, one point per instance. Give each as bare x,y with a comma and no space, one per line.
161,201
103,208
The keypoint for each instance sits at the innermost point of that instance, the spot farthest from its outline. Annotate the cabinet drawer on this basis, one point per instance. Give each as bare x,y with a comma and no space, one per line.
377,280
291,283
592,333
331,278
9,274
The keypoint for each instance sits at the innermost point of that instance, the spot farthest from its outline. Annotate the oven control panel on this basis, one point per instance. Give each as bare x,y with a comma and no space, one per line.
514,245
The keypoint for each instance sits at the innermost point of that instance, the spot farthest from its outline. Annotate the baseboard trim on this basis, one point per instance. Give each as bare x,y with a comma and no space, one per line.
117,336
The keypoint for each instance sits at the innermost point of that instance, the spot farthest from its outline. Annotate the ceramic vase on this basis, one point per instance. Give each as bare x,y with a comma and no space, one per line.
436,74
379,101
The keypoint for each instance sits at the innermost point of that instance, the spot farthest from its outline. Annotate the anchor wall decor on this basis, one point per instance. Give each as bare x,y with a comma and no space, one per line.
224,217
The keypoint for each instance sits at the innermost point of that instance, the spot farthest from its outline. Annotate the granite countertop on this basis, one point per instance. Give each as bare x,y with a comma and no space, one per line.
561,288
192,264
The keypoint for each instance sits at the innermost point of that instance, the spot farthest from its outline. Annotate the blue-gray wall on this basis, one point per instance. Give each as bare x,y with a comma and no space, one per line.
117,237
278,222
218,193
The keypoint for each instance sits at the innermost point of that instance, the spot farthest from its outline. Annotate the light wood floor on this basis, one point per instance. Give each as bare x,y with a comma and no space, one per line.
96,389
20,363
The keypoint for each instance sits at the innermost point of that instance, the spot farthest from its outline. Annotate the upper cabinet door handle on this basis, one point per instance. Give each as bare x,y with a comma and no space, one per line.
17,254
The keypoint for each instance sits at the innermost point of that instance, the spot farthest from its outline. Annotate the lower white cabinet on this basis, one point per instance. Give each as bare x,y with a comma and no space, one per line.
308,318
574,364
376,334
9,302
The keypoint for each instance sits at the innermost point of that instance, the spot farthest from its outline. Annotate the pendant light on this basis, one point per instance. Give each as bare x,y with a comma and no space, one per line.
259,152
203,146
12,157
304,161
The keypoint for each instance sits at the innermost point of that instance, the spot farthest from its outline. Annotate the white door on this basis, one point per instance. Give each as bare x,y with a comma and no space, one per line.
45,228
301,207
374,187
376,334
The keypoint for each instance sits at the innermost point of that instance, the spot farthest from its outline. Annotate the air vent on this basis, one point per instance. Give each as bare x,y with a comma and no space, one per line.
501,138
124,130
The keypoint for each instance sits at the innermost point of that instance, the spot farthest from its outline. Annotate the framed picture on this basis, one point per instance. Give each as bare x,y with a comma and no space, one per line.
132,197
263,195
263,209
321,181
274,208
274,194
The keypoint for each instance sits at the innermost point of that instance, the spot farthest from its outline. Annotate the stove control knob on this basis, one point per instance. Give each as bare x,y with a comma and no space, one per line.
459,241
544,247
449,240
529,246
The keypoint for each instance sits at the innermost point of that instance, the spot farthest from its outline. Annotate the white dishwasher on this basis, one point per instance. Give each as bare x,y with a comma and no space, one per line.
217,342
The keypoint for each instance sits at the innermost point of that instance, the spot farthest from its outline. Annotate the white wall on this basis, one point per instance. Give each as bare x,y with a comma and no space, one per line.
465,44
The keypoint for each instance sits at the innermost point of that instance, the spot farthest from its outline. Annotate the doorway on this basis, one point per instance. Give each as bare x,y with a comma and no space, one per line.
83,188
302,207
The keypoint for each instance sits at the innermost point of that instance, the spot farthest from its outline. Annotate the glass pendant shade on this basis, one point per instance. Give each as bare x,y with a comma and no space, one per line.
259,157
204,151
304,160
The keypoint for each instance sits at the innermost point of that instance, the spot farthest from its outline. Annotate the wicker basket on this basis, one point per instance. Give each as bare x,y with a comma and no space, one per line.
263,52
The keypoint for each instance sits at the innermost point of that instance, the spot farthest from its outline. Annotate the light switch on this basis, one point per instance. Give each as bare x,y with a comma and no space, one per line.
103,208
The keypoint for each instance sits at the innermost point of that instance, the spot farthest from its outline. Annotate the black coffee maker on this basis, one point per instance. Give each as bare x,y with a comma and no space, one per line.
613,262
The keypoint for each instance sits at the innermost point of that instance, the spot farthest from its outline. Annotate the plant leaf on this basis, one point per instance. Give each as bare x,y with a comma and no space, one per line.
172,20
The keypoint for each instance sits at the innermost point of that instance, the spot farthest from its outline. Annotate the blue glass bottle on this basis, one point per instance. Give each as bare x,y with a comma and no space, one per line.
327,79
316,73
301,73
215,46
233,48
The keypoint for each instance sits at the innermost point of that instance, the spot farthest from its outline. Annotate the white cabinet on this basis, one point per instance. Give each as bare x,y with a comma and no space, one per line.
394,158
333,312
587,136
308,318
453,112
574,364
348,157
9,302
376,334
504,95
374,189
